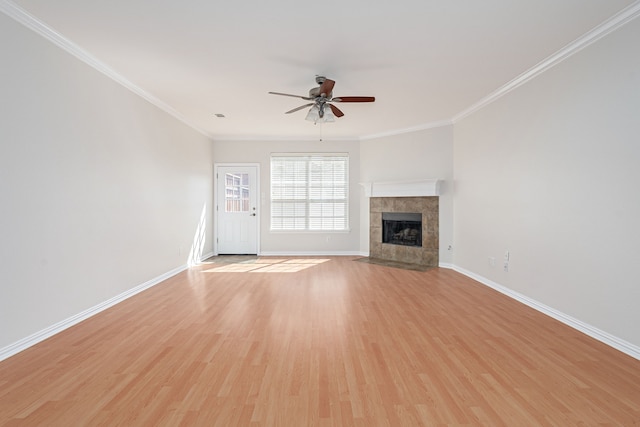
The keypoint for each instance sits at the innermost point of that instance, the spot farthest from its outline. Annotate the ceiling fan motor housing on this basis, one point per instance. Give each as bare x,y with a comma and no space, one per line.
315,93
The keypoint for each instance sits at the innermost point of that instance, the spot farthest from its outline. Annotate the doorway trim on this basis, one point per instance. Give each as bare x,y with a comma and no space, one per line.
216,201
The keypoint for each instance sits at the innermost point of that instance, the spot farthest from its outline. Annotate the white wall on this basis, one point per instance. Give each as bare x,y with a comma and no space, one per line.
551,173
100,190
335,243
425,154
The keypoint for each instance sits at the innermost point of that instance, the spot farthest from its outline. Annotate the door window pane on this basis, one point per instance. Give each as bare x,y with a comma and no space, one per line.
236,192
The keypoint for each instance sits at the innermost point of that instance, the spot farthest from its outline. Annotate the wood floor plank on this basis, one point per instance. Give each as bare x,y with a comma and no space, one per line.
331,342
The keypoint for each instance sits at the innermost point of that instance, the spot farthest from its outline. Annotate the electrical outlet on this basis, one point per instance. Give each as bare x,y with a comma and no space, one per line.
492,261
506,261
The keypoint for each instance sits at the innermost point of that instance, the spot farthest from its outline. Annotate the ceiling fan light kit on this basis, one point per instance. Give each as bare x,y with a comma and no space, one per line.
316,115
322,110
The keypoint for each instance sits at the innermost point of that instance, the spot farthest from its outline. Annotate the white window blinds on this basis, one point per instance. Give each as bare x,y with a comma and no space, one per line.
309,192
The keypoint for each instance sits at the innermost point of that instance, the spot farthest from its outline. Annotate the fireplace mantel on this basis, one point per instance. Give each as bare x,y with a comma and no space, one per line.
416,188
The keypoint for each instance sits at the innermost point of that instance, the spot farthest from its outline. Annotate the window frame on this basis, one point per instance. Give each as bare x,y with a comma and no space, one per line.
339,191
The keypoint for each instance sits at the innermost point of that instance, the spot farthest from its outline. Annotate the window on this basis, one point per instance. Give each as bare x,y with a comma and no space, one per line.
236,187
310,192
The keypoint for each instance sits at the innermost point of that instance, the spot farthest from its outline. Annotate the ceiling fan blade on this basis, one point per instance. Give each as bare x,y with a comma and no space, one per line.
299,108
336,111
327,87
354,99
306,98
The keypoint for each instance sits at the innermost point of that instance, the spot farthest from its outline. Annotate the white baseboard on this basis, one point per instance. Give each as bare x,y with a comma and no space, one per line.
604,337
445,265
34,339
42,335
312,253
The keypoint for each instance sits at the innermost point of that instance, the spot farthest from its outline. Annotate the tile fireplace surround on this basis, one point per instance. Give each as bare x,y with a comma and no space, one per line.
427,255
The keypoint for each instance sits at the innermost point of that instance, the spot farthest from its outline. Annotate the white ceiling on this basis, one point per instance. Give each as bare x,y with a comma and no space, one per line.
425,61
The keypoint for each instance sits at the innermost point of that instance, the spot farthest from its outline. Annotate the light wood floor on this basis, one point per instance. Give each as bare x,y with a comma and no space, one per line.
339,343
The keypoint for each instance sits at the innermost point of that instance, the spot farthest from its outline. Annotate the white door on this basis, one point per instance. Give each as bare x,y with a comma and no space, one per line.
237,209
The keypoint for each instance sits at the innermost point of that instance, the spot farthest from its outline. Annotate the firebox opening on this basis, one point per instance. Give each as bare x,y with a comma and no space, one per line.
399,228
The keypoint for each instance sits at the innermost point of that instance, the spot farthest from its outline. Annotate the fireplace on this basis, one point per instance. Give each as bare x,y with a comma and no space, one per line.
406,241
399,198
400,228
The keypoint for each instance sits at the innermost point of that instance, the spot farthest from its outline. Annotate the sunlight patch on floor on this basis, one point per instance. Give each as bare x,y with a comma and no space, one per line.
268,265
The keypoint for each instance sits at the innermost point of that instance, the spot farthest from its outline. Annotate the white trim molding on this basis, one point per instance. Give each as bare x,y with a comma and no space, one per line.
42,335
17,13
310,253
616,21
604,337
414,188
411,129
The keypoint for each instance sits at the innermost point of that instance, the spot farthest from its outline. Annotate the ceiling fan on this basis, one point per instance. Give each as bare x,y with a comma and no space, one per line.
321,97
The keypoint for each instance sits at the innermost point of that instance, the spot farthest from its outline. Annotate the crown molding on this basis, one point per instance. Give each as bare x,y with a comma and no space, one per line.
23,17
616,21
425,126
270,138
